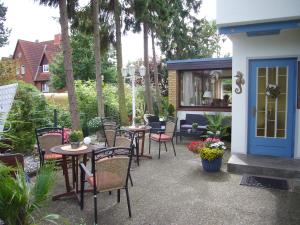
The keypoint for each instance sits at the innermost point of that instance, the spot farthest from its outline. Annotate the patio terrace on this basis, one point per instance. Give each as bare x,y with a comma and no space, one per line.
176,191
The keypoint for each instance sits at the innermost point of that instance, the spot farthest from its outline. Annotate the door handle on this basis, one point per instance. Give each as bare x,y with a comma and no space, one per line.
253,111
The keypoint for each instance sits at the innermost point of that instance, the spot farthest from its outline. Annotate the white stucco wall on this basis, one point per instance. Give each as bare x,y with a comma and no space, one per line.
238,12
286,44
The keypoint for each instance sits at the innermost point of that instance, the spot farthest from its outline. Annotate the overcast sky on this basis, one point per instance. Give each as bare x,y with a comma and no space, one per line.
30,21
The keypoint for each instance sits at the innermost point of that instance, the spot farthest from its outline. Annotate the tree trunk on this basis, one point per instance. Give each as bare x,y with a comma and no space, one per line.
96,25
148,96
157,91
67,52
121,90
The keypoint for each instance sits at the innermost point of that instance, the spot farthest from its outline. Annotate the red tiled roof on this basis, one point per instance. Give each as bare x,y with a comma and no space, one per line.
34,52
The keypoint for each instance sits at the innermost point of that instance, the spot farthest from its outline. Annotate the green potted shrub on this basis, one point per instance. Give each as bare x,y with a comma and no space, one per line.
75,137
194,127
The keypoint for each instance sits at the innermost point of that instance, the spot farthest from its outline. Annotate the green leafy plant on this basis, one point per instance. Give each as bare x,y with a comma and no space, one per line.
171,110
94,124
216,126
19,200
137,120
195,126
75,136
211,154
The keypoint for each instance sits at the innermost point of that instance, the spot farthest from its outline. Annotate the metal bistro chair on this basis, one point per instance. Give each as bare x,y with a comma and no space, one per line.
110,171
47,138
163,136
125,139
109,130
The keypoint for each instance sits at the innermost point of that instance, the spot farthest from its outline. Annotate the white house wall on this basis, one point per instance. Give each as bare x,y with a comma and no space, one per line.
239,12
286,44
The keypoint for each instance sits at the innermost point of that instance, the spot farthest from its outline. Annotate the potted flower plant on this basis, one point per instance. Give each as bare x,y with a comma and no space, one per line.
211,152
75,137
194,127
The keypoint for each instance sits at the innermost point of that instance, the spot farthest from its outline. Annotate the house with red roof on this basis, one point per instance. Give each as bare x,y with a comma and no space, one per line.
34,59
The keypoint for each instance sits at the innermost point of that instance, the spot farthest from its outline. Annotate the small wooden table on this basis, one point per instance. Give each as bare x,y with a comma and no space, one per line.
66,151
139,133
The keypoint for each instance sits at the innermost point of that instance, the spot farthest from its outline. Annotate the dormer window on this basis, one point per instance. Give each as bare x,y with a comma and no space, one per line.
46,68
23,70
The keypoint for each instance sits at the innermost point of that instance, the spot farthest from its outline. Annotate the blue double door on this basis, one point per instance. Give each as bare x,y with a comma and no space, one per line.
272,107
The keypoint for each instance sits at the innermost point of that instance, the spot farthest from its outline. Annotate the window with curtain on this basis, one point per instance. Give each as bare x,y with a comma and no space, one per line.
206,88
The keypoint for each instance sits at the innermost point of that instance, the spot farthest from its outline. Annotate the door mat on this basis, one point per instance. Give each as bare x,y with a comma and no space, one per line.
264,182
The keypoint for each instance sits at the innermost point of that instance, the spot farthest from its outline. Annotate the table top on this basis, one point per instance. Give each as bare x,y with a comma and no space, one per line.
137,128
66,149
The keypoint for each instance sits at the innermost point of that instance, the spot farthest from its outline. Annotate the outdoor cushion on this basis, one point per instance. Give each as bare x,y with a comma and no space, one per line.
51,156
189,126
162,137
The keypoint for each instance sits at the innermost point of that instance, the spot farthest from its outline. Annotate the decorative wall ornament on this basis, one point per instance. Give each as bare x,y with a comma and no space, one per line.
239,82
273,90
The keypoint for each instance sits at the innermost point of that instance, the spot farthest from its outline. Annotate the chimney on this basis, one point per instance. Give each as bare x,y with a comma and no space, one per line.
57,39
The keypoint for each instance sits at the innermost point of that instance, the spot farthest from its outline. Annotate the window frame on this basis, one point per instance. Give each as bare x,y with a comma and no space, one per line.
23,70
43,84
198,108
46,66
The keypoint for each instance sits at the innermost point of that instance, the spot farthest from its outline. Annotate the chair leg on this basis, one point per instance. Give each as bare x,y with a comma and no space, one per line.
95,209
130,180
128,202
109,192
119,195
166,146
149,143
173,147
159,149
82,175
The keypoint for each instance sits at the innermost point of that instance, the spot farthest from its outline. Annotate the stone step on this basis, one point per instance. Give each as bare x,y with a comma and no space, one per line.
264,166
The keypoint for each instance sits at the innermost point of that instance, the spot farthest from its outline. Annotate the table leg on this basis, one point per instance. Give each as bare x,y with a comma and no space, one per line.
66,173
73,171
76,173
143,143
137,145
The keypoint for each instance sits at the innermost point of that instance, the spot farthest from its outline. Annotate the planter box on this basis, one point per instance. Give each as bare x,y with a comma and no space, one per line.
212,166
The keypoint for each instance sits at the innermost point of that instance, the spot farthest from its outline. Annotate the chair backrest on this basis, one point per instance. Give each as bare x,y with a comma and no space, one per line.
12,160
110,168
49,137
122,141
110,136
171,127
196,118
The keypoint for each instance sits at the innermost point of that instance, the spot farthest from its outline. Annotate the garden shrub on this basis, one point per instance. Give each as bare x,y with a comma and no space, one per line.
29,110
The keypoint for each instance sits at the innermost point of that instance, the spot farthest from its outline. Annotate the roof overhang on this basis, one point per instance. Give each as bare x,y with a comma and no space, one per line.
200,64
259,29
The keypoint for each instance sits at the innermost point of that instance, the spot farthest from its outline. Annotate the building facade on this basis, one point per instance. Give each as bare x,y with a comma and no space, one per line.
34,59
265,72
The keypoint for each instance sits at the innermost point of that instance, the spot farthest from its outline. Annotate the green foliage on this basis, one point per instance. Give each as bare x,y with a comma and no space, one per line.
183,35
29,111
211,154
217,127
94,124
19,200
195,125
4,32
83,60
171,110
75,136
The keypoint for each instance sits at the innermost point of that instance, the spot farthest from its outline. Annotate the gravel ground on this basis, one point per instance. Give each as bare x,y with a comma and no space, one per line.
176,191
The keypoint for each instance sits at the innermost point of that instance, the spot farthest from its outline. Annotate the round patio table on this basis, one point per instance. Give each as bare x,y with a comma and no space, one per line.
66,151
139,133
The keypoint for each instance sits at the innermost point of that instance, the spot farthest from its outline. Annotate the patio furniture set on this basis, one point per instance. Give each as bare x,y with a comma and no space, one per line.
110,162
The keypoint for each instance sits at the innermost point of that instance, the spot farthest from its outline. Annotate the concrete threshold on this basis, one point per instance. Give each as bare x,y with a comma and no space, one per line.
264,166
